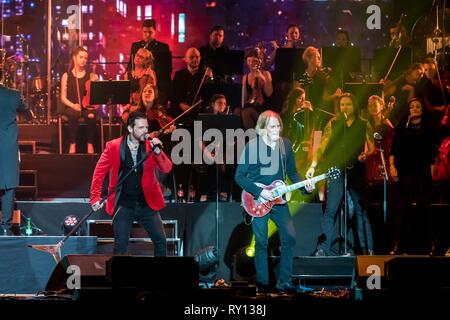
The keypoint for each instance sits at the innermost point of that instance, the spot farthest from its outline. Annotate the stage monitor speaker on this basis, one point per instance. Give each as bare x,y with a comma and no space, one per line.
324,272
92,271
418,272
162,274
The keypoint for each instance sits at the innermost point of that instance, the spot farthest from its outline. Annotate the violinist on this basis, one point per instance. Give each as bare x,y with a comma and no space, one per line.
256,90
162,58
294,116
342,39
434,91
156,115
403,89
292,39
141,74
186,85
318,85
73,90
377,116
398,36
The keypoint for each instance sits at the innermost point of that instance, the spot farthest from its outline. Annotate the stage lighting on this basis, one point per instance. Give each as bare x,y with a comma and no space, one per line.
206,258
69,223
210,4
250,251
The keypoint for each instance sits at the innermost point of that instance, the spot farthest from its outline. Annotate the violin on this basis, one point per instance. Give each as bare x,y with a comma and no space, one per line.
324,73
158,113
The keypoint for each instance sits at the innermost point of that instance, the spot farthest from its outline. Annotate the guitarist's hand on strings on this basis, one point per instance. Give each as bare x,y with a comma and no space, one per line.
266,194
309,186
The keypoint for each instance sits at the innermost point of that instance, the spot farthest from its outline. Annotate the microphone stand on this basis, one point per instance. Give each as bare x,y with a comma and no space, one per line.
55,249
385,178
344,213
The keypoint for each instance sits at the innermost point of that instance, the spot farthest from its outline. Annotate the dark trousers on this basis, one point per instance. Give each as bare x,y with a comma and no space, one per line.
149,219
283,220
7,204
73,121
335,193
413,189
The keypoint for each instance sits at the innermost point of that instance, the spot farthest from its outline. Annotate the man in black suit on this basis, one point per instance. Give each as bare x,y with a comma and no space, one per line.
213,53
186,84
10,103
163,58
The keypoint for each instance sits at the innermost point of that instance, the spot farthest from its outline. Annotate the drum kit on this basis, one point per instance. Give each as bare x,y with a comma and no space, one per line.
16,70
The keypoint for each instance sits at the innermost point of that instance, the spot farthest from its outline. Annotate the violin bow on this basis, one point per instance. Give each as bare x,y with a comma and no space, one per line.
179,116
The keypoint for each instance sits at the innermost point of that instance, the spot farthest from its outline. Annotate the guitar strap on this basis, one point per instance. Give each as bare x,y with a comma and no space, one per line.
283,158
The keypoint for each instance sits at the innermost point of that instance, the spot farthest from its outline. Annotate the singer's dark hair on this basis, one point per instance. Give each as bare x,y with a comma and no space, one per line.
216,28
356,110
134,116
149,23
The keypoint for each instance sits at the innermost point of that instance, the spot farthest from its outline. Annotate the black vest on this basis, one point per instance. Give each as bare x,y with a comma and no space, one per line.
346,144
131,192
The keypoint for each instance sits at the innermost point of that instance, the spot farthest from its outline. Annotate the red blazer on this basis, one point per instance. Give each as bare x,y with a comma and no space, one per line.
110,162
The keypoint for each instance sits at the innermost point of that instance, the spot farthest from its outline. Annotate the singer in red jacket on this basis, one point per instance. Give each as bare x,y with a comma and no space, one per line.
139,197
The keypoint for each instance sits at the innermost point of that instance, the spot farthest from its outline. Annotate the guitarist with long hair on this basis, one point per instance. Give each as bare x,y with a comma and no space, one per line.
267,158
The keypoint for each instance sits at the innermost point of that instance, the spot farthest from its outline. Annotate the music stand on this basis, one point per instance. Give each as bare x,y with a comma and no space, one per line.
227,63
110,92
289,64
342,60
220,122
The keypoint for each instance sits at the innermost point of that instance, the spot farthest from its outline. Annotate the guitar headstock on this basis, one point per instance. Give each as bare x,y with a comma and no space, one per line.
333,173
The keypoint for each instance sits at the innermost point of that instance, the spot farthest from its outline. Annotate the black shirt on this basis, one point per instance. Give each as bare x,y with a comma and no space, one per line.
414,149
214,58
185,86
131,191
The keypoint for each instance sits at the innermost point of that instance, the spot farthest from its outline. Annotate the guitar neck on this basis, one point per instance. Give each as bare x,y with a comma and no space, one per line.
301,184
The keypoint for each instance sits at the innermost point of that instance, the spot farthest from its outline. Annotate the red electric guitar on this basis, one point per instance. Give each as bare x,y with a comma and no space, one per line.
260,207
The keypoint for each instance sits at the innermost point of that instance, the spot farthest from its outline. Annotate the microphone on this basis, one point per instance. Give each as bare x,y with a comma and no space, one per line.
345,115
377,136
155,147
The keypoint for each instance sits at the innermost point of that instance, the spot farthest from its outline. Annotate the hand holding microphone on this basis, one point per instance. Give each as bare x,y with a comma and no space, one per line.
345,115
155,142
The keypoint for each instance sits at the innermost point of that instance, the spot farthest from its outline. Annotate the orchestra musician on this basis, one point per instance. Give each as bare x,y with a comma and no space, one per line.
74,87
162,58
256,90
141,74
